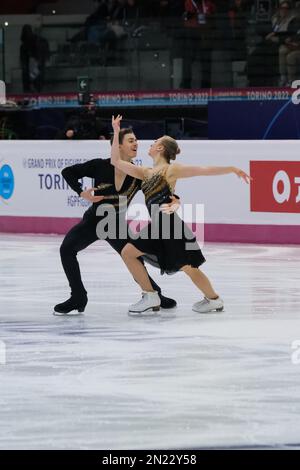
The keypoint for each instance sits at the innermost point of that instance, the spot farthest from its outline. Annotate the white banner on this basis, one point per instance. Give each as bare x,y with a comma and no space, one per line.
31,184
39,189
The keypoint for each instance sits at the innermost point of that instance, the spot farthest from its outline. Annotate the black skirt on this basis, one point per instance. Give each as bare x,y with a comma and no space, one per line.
169,244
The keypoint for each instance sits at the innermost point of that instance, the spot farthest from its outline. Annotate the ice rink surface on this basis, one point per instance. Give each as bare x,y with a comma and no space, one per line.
180,380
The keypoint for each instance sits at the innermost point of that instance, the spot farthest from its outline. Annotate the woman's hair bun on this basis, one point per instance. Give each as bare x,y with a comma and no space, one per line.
171,148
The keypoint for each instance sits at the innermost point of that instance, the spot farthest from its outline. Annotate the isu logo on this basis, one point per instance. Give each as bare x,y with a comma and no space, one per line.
275,186
7,182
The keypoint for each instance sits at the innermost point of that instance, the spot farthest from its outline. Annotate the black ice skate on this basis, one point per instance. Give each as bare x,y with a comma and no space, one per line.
72,306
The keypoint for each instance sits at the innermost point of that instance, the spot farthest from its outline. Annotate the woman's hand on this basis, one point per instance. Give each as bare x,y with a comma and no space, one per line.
116,123
88,196
241,174
172,207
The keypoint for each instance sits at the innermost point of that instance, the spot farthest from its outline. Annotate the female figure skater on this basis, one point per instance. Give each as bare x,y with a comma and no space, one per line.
170,254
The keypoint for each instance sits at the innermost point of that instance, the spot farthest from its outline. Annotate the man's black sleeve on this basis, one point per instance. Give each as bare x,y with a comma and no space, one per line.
72,174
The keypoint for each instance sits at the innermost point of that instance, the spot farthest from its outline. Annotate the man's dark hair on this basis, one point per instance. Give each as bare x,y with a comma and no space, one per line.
123,132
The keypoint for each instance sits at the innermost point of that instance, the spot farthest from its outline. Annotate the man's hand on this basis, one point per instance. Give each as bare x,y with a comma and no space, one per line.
292,45
88,196
116,122
172,207
70,134
270,36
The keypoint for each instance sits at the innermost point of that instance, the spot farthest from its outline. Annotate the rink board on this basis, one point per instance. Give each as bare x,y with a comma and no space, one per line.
34,198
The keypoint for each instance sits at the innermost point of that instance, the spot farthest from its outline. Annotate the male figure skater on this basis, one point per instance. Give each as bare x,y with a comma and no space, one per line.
109,184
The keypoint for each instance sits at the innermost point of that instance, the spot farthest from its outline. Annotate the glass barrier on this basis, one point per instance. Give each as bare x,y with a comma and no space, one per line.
2,72
234,50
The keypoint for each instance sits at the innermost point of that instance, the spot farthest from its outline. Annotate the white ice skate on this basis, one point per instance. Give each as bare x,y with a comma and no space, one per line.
149,305
209,305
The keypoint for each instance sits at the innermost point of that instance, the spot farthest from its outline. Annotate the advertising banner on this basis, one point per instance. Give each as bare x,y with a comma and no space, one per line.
34,197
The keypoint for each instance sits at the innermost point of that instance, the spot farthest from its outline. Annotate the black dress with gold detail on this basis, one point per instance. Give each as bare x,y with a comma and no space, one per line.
167,242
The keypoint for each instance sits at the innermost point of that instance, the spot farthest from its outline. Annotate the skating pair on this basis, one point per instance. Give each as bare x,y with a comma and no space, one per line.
167,251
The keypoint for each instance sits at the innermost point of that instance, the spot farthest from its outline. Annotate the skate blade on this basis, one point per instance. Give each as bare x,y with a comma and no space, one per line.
70,314
216,310
150,312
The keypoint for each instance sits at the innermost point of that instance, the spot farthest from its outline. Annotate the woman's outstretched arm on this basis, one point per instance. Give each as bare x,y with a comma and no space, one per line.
184,171
126,167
